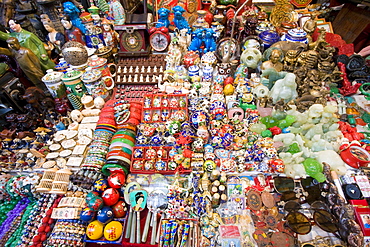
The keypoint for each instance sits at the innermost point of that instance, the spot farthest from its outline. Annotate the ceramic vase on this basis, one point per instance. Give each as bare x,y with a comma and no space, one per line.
209,16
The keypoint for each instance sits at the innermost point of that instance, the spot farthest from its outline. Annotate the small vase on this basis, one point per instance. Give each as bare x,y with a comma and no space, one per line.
209,16
201,22
221,10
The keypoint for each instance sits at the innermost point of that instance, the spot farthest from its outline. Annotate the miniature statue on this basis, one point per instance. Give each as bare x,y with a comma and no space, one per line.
73,12
30,41
71,32
117,12
310,25
184,39
314,169
179,19
111,37
57,39
163,21
210,40
94,35
197,40
275,60
290,60
249,28
27,60
285,89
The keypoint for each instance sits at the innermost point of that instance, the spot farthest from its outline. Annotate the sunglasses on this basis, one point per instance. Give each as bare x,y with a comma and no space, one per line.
301,224
307,189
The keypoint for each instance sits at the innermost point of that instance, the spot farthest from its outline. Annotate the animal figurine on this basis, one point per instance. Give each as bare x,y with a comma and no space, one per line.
197,40
163,21
210,40
73,12
179,20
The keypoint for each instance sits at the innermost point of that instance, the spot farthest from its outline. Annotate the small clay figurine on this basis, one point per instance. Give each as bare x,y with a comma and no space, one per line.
56,38
290,60
111,37
310,25
210,40
71,32
73,12
275,60
27,60
94,36
117,12
163,21
179,19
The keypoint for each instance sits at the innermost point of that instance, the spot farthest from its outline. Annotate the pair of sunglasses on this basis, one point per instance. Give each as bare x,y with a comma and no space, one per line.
301,224
291,189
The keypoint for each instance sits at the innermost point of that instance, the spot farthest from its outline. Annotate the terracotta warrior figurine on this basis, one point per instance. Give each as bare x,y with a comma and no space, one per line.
27,60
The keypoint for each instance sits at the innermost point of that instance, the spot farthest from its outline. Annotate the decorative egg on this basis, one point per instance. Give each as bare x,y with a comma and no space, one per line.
95,230
105,215
100,185
229,89
113,231
87,214
95,203
110,196
91,195
119,209
116,180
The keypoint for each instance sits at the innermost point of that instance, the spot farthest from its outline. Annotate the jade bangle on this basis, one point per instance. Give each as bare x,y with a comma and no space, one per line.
362,90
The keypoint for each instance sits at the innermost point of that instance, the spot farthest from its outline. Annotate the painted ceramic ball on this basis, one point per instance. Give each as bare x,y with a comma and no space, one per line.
95,230
119,209
113,231
75,53
100,185
91,195
110,196
87,214
95,203
116,180
105,215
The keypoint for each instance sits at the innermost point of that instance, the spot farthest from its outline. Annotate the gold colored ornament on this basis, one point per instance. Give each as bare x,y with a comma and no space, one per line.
283,11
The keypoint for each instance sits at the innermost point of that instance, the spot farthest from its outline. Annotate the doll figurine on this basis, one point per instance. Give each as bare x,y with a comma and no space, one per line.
111,37
163,21
30,41
71,32
179,19
73,12
117,12
54,37
94,36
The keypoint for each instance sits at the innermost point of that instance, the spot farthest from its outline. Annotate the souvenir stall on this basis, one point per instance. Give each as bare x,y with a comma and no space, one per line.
184,124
